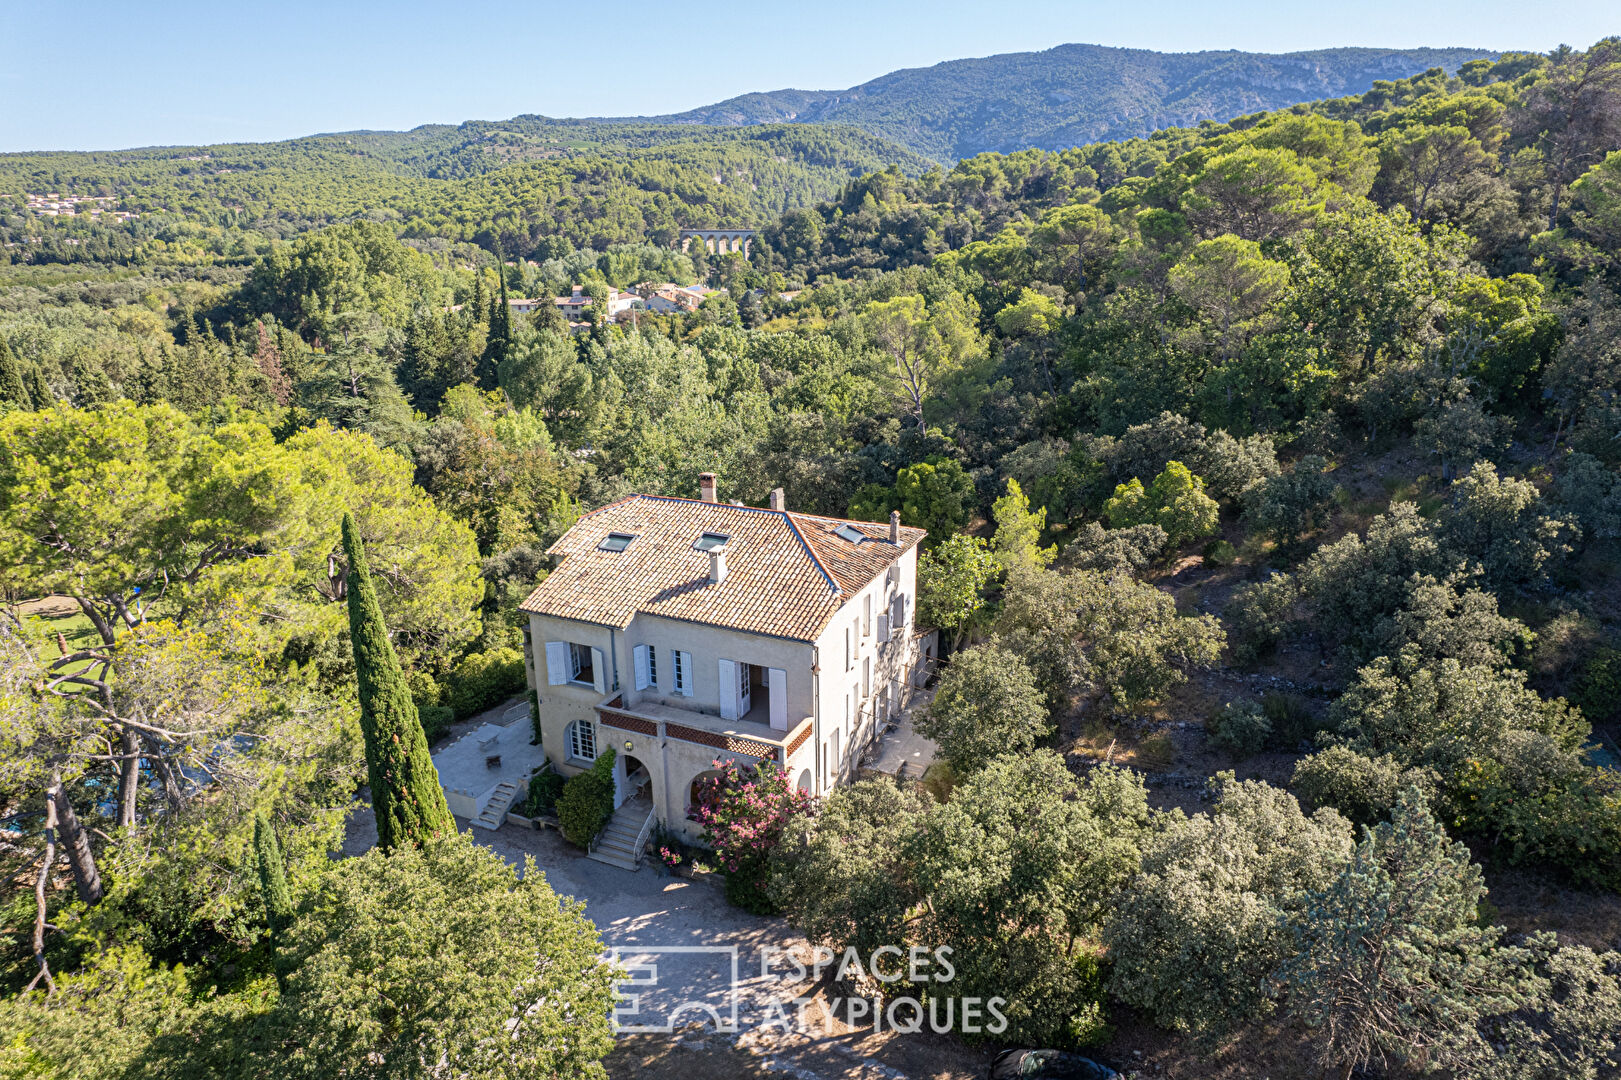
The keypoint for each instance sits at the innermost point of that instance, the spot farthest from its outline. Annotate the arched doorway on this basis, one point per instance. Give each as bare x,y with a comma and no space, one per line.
631,779
704,789
805,780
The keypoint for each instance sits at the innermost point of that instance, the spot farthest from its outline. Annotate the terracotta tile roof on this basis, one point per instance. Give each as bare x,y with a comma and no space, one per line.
787,573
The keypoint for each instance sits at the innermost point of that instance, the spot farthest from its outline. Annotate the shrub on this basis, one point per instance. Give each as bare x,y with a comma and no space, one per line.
1362,788
1219,553
587,801
1598,690
1573,822
1113,551
425,689
1156,752
544,789
534,718
1175,501
744,815
1199,929
1292,503
1292,722
988,703
939,780
483,680
435,719
1240,729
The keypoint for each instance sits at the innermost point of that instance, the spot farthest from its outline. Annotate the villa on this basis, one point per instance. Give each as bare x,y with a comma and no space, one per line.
679,631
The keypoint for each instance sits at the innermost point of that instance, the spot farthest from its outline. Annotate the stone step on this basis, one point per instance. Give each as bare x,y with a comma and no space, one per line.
612,859
494,814
616,843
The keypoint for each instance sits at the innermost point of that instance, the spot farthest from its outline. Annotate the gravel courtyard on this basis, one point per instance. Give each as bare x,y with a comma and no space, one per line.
650,910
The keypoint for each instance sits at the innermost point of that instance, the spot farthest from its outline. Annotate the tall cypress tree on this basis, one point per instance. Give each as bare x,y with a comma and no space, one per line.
41,390
500,334
405,792
272,874
12,389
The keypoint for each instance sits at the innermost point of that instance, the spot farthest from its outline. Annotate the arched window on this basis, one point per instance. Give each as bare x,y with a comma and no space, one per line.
582,741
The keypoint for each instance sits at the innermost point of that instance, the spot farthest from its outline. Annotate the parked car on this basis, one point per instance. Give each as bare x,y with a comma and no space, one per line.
1047,1065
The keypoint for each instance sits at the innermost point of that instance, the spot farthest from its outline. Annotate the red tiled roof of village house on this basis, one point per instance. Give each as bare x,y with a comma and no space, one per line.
787,573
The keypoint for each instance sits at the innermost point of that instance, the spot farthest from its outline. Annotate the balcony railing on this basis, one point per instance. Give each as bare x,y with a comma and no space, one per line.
734,737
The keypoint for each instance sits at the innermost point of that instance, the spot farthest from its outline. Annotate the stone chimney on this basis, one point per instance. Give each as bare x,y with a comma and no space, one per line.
706,486
717,566
779,501
894,526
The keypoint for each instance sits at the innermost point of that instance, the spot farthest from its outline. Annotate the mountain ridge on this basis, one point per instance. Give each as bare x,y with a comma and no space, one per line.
1069,95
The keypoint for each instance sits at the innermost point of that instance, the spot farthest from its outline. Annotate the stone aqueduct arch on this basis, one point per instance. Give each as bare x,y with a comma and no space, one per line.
718,241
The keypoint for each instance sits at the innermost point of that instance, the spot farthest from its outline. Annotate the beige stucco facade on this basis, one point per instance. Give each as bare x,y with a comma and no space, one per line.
810,706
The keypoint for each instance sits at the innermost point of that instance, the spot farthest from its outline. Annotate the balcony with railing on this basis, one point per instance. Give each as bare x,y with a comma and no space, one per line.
744,736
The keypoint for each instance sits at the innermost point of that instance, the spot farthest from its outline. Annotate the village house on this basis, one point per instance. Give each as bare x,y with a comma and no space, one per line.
679,631
675,299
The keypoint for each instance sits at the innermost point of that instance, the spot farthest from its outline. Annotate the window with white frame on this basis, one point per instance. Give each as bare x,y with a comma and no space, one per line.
580,667
866,677
569,662
866,615
582,741
682,662
645,663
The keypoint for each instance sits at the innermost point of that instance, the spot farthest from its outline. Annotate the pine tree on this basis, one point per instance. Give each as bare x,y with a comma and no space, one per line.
1390,962
406,797
12,389
272,875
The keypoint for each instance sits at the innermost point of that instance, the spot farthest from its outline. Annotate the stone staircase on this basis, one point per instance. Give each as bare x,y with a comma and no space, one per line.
494,814
621,841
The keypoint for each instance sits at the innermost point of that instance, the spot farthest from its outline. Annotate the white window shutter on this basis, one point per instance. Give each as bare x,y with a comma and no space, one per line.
728,690
639,659
686,675
599,671
556,663
883,627
777,682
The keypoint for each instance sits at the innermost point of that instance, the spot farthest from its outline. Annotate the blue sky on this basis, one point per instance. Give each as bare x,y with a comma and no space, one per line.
100,75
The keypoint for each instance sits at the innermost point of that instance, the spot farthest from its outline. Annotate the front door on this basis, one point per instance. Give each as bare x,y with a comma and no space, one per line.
745,676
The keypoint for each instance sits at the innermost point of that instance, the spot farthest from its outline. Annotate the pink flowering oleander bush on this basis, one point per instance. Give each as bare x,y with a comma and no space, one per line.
672,859
743,811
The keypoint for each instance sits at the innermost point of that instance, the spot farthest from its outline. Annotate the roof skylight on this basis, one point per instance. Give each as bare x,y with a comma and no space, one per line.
616,541
850,533
709,541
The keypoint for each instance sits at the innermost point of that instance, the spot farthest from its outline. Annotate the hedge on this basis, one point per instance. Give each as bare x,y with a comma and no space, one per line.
587,802
483,680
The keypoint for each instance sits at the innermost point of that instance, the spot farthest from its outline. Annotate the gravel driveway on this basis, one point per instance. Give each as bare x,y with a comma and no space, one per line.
646,911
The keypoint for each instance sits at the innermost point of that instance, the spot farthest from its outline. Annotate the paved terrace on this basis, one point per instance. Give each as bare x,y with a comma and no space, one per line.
468,781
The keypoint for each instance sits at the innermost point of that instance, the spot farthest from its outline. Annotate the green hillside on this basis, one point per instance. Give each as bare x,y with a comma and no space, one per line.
516,181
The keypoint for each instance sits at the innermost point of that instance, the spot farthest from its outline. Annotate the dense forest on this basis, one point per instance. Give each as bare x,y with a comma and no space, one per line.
516,182
1272,475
